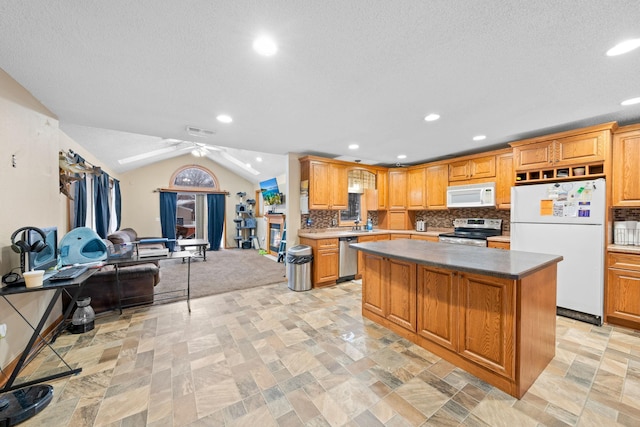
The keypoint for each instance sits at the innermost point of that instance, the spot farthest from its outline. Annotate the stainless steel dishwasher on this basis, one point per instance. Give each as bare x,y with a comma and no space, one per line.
348,259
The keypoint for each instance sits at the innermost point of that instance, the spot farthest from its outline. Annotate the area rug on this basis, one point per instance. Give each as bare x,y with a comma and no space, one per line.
223,271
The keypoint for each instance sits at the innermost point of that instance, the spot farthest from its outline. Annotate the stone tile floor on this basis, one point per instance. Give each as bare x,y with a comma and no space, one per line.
272,357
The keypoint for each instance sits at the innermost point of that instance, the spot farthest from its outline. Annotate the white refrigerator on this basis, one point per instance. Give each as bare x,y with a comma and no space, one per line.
568,219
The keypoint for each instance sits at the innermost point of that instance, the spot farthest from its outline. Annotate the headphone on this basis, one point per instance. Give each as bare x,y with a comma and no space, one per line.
22,247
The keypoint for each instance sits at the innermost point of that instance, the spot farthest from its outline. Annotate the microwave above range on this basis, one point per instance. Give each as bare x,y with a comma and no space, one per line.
472,196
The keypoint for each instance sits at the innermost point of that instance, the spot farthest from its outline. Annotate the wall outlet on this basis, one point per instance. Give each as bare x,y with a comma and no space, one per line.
3,330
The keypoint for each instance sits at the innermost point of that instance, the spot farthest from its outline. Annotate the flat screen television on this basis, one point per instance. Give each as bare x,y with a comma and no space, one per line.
48,257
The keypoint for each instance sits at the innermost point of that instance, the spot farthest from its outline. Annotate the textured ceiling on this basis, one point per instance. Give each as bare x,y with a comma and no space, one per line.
124,75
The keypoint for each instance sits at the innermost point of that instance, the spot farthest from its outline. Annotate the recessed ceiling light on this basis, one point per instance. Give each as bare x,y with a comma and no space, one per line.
353,146
479,137
223,118
631,101
431,117
265,46
402,156
624,47
248,165
258,159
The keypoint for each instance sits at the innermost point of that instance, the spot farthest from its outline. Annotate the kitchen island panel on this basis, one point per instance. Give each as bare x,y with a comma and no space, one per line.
487,322
498,328
437,313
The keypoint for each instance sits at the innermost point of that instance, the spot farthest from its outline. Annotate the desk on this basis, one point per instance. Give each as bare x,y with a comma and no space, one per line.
121,262
200,244
75,285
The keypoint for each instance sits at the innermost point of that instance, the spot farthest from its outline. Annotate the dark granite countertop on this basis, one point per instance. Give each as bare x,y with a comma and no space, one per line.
485,261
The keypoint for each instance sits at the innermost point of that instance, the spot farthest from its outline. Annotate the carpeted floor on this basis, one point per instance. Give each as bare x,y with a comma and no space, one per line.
224,271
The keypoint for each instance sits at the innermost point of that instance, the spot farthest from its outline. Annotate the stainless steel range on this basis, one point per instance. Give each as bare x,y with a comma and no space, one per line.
472,231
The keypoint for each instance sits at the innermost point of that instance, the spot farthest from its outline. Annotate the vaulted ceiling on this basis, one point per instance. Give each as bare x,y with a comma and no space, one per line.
127,77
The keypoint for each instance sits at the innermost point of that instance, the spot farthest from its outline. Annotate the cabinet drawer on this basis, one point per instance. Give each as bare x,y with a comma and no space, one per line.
327,244
624,261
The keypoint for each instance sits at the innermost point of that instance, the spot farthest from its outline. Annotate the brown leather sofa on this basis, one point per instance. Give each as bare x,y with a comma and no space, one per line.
136,281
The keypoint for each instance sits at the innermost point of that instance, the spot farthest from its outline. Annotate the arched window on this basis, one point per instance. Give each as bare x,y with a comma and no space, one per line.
193,177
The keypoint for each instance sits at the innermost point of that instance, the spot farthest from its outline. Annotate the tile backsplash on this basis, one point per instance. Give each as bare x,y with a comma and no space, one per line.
626,214
321,219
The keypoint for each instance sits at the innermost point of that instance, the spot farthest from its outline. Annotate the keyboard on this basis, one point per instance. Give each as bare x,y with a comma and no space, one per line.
69,273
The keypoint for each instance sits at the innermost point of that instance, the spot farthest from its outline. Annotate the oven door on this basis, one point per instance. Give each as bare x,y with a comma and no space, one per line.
456,240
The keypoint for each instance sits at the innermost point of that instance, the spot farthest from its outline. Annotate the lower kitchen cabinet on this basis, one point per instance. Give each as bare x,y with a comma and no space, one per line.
437,296
389,290
426,237
367,238
486,322
499,245
623,290
326,261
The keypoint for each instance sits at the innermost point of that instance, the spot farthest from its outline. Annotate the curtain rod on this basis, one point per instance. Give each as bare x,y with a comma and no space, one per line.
66,158
184,190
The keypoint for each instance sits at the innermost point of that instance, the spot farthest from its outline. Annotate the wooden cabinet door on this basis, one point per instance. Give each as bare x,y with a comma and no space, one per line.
533,156
504,180
326,265
623,297
482,167
381,187
437,302
400,284
437,179
319,189
397,189
399,236
338,182
580,149
416,189
623,290
425,237
373,287
499,245
626,173
459,171
487,322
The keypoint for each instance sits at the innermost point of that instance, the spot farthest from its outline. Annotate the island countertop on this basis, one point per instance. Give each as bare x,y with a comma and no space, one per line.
486,261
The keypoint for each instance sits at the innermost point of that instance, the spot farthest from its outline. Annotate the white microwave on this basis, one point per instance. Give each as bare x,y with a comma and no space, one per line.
472,195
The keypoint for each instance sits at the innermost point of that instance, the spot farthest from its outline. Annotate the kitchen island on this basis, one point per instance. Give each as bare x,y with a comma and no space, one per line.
488,311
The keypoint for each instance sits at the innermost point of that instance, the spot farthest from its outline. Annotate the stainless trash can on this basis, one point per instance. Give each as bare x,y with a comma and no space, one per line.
299,267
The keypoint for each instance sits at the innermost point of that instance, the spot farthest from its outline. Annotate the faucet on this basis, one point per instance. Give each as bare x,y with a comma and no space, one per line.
357,224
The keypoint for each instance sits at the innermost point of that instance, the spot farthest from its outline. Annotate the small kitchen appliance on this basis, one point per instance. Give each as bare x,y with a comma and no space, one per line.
472,231
421,225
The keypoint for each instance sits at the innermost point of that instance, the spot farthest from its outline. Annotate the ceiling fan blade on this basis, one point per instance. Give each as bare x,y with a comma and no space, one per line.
149,154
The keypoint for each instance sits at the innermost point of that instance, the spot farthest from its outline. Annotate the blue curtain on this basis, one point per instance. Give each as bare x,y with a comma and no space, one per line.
101,203
117,202
215,207
80,198
168,212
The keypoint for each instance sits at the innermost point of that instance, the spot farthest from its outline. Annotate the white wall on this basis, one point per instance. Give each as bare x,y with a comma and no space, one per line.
30,196
141,204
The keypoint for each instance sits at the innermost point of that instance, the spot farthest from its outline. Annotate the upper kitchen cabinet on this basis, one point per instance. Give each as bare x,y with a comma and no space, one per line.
327,183
338,176
398,186
563,156
382,189
437,178
504,179
470,168
416,188
626,174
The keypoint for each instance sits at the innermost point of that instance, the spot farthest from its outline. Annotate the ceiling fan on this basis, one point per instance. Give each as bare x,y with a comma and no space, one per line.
198,149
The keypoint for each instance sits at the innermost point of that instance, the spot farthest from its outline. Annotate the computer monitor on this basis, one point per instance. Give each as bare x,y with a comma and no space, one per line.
48,257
